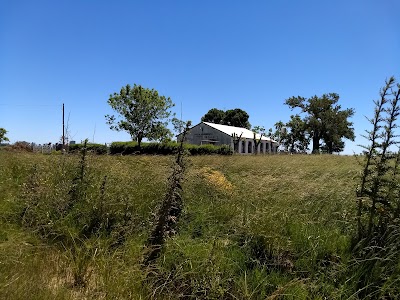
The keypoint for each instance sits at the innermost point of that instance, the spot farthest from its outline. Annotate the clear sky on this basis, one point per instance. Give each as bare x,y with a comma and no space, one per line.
203,54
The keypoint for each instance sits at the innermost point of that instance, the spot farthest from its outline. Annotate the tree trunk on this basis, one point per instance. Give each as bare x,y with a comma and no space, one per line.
139,140
315,146
236,146
291,148
330,147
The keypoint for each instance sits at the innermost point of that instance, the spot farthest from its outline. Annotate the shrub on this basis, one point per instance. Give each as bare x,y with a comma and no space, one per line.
169,148
123,148
22,146
94,148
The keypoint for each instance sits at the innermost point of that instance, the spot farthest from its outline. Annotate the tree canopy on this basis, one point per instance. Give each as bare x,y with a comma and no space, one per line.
3,137
142,112
214,115
324,121
232,117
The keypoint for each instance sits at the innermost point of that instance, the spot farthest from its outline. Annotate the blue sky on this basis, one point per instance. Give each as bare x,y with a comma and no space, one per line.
203,54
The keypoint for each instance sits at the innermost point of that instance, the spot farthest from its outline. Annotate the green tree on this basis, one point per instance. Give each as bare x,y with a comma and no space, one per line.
214,115
237,117
232,117
143,113
293,135
327,124
335,128
3,137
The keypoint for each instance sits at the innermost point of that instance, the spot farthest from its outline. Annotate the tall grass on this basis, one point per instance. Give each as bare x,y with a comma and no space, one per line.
251,227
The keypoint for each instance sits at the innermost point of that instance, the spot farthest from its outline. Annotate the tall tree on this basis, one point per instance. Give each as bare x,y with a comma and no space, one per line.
232,117
142,112
3,137
325,121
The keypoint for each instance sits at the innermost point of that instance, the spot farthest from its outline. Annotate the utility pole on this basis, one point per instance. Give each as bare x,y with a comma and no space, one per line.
94,132
63,135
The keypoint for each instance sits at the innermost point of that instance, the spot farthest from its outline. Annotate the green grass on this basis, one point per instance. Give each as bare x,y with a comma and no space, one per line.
253,227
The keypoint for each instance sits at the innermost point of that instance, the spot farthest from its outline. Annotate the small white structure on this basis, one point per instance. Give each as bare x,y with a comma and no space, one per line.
217,134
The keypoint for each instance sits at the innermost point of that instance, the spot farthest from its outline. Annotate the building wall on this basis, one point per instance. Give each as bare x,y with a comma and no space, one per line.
247,146
203,134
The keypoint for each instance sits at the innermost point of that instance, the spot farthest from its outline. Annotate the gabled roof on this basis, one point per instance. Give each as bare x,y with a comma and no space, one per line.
246,133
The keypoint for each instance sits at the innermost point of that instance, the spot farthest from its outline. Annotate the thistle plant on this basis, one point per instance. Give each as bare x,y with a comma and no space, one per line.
78,186
378,191
377,247
171,207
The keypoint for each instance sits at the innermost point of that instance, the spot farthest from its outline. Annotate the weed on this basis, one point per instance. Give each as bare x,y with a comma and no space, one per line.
171,207
376,249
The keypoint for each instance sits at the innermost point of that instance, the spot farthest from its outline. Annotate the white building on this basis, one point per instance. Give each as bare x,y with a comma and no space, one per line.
217,134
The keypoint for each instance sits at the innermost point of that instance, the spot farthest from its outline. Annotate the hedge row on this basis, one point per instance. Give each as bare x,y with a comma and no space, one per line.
125,148
95,148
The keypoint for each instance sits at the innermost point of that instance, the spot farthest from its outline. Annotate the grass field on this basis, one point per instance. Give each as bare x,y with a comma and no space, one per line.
253,227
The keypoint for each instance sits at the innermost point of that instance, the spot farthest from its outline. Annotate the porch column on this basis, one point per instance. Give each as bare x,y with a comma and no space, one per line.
246,146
